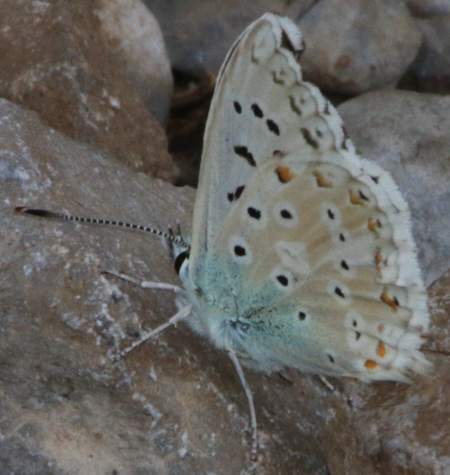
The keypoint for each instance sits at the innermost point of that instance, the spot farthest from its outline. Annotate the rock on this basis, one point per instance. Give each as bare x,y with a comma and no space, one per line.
199,33
353,46
424,8
134,36
55,61
431,68
407,134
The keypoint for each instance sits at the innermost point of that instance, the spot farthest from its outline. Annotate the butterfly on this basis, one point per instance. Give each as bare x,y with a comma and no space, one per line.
301,252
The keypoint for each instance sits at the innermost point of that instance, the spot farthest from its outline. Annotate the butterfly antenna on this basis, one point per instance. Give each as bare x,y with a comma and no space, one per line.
44,213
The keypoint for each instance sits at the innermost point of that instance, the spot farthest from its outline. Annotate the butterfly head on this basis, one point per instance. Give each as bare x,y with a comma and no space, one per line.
181,260
180,251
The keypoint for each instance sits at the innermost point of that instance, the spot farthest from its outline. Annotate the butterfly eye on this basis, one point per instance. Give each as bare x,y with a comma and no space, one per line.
179,260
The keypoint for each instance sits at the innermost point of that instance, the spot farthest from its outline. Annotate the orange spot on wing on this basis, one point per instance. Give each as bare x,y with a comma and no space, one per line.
381,349
370,364
373,224
322,182
355,198
378,258
392,302
285,174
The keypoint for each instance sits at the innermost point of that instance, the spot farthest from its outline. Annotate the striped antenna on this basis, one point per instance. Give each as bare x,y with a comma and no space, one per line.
43,213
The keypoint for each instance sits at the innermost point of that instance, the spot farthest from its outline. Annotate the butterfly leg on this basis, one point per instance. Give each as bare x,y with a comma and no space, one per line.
144,284
248,393
178,317
327,383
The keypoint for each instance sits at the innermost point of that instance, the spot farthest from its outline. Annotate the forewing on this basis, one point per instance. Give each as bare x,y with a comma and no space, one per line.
240,131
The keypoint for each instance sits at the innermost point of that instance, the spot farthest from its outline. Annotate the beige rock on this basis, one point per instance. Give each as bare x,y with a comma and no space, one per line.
133,34
54,61
353,46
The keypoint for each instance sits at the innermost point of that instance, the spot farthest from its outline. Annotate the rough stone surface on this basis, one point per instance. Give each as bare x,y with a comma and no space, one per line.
174,405
199,33
55,61
407,134
431,67
133,34
424,8
353,46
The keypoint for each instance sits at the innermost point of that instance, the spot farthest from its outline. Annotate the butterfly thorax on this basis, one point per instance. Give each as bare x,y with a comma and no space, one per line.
232,318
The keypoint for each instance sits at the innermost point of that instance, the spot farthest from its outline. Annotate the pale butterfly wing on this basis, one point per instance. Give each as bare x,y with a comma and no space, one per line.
302,251
231,146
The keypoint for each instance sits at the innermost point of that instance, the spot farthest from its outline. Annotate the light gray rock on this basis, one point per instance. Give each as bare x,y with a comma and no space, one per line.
133,34
353,46
432,64
424,8
56,62
407,134
199,33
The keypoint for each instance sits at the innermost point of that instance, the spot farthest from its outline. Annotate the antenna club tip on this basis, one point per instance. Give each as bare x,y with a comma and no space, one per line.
43,213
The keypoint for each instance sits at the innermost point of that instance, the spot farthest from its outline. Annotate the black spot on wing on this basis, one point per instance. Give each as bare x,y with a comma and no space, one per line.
257,111
243,152
237,107
273,127
285,214
236,194
363,196
239,251
254,213
283,280
339,292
